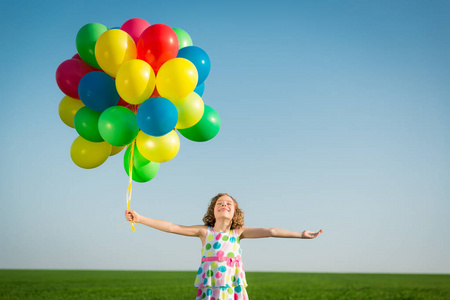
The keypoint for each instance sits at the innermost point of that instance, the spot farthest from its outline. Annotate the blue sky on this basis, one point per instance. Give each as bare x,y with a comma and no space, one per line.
335,115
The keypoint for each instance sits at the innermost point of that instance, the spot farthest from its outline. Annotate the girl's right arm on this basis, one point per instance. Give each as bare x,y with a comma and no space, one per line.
196,230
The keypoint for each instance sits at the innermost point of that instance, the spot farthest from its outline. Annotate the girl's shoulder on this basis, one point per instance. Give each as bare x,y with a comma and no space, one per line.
240,230
202,231
202,227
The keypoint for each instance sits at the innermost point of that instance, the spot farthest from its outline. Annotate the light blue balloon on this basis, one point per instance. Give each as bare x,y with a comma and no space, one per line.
200,89
157,116
97,90
199,58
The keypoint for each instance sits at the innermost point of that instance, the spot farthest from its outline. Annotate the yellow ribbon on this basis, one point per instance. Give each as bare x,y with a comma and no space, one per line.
130,172
130,176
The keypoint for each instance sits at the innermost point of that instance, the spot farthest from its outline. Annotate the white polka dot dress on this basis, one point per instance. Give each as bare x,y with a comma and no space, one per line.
221,274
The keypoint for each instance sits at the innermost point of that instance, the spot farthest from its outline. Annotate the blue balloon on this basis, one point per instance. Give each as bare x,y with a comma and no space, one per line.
157,116
97,90
199,58
200,89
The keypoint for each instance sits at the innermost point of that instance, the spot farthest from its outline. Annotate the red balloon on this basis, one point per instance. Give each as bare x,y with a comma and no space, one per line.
135,27
155,93
77,56
69,74
157,44
123,103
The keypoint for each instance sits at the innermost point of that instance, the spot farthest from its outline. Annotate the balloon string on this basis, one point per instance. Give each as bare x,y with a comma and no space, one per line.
130,176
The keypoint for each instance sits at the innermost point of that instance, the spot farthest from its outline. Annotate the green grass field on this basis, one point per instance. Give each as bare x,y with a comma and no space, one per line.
55,284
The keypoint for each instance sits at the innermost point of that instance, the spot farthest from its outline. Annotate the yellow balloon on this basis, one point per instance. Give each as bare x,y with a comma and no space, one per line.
158,149
67,109
89,155
176,79
113,48
135,81
115,150
190,111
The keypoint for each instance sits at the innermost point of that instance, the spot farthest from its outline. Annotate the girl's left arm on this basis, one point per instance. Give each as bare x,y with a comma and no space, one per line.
255,233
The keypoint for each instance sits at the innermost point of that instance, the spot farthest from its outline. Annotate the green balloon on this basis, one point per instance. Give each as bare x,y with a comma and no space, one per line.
143,169
184,39
117,125
86,38
86,124
207,128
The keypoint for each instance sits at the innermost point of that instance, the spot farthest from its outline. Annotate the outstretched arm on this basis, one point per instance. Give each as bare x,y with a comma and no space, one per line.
199,230
255,233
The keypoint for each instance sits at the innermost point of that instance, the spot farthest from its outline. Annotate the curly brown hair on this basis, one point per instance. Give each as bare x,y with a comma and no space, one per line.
238,217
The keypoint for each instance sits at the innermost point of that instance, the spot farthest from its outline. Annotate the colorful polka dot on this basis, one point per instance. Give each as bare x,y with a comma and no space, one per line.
218,278
222,269
216,293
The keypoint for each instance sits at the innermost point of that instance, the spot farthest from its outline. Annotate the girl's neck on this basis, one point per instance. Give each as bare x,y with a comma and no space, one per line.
222,225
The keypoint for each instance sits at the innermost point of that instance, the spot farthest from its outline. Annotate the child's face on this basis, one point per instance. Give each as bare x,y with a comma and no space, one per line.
224,207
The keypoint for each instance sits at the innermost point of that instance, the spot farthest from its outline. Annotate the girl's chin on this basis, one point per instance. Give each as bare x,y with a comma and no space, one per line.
223,215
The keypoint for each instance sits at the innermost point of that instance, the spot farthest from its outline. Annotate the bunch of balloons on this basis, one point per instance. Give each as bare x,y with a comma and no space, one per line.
136,84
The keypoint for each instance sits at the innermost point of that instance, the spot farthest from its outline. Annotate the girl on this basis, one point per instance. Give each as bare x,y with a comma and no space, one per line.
221,273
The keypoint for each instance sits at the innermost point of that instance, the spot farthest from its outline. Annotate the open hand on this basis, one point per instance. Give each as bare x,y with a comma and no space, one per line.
310,235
